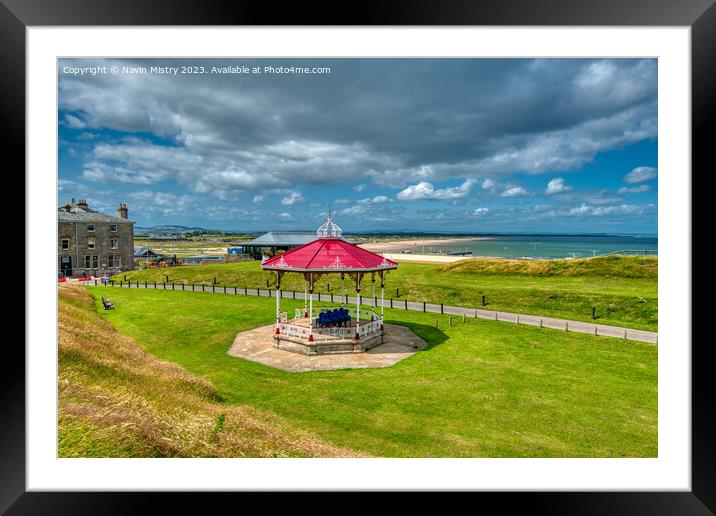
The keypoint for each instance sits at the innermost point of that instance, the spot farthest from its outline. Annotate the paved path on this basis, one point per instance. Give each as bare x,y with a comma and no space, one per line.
530,320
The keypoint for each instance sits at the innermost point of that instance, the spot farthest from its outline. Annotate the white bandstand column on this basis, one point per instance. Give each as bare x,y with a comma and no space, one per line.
382,300
278,308
310,317
372,301
305,298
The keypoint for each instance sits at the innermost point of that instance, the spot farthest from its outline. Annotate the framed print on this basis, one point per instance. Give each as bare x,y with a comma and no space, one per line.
410,251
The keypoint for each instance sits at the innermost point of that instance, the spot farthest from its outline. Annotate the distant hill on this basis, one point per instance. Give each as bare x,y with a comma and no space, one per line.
172,230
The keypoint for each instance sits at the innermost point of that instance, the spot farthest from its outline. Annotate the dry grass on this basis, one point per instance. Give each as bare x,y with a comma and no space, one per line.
116,400
601,266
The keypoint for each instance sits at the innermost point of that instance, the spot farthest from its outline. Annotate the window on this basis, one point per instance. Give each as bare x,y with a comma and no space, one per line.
65,244
113,228
115,260
90,243
90,228
91,262
114,243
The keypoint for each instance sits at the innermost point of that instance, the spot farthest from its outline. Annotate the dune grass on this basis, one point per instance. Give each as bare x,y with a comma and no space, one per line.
481,388
117,400
623,289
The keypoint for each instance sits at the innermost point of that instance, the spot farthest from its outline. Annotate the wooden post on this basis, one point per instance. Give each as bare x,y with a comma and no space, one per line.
423,306
483,299
463,317
213,287
406,303
442,311
391,302
449,320
224,289
594,312
202,287
566,325
246,291
397,292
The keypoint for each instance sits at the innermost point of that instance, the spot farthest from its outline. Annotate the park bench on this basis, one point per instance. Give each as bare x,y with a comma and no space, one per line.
107,304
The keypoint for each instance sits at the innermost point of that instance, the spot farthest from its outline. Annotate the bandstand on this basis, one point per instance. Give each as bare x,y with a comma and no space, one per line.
347,329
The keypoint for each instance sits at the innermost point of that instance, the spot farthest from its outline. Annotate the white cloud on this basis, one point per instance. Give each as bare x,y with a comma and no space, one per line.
640,174
557,186
378,199
425,190
285,216
634,189
488,184
74,122
257,198
515,191
599,211
479,212
292,198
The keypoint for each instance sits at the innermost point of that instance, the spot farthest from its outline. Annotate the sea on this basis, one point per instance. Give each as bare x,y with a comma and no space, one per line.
546,246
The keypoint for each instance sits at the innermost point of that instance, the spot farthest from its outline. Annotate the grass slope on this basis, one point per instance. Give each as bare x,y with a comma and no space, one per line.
117,400
622,288
481,389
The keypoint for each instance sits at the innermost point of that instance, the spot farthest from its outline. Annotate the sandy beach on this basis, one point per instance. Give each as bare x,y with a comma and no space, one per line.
414,245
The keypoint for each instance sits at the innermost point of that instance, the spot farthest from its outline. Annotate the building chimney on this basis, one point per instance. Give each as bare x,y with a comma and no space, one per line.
122,211
82,203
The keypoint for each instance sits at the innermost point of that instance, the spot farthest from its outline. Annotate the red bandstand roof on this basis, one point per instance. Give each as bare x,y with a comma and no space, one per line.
326,255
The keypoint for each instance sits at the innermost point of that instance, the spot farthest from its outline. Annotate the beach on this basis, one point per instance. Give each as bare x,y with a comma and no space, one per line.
414,245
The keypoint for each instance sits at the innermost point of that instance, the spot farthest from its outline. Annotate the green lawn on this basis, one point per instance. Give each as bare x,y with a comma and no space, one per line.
623,289
481,388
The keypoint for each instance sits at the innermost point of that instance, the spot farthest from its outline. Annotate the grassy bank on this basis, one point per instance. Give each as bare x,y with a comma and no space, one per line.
117,400
481,389
622,288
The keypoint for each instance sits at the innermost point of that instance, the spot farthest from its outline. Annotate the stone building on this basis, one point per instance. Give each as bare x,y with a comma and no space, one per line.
90,242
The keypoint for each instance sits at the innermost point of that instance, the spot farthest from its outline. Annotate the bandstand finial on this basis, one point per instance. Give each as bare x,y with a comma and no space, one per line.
329,228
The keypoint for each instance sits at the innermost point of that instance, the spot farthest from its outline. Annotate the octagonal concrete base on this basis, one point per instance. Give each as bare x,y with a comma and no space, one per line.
257,345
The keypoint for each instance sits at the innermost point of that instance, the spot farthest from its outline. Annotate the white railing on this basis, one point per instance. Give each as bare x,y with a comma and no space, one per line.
369,328
294,330
336,332
283,317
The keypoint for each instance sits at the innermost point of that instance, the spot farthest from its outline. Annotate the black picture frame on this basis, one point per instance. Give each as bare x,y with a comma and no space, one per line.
17,15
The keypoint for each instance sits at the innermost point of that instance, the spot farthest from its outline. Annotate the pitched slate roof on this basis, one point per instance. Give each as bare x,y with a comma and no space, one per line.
83,214
281,238
140,251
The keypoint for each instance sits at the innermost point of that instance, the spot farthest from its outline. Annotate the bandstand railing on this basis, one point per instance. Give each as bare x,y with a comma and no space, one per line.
364,329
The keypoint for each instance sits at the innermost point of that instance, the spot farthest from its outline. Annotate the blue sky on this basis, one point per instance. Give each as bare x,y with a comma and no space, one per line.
448,145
